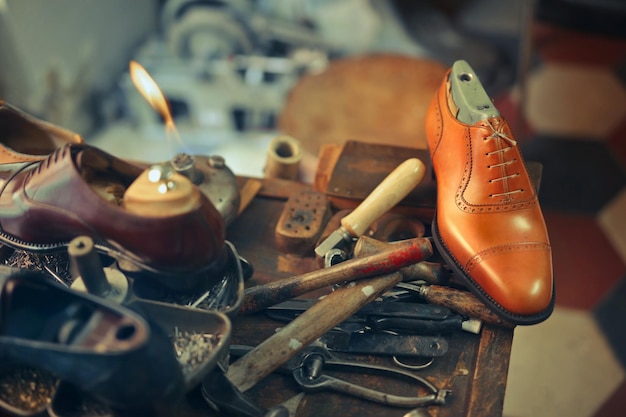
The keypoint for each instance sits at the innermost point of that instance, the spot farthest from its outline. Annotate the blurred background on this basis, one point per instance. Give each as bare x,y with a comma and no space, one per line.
238,73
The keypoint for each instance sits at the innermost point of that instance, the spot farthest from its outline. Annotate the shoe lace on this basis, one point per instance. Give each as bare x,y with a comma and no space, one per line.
498,134
48,161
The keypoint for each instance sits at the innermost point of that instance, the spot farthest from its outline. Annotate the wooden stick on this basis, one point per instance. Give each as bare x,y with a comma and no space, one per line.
387,260
462,302
304,329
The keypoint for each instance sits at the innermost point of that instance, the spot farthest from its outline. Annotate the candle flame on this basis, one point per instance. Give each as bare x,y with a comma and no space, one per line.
150,90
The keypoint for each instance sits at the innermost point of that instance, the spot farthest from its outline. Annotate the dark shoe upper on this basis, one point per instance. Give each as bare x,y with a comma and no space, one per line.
78,190
25,138
488,215
107,350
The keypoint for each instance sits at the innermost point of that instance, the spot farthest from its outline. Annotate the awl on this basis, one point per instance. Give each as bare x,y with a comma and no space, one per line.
396,186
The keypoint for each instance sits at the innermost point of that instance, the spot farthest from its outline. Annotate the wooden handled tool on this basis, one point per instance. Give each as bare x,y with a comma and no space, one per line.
462,302
397,185
304,329
431,272
388,260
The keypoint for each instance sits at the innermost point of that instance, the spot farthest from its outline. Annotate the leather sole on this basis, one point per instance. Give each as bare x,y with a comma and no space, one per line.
475,288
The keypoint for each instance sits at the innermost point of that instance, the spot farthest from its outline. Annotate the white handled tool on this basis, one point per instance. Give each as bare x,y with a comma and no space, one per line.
397,185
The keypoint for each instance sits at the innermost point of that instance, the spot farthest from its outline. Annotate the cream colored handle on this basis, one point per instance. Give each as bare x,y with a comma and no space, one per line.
397,185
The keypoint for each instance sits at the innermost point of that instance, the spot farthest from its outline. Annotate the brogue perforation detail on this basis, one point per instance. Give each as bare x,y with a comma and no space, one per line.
461,203
439,125
502,249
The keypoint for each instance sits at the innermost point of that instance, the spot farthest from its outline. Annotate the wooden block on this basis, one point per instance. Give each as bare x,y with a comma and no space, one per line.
301,222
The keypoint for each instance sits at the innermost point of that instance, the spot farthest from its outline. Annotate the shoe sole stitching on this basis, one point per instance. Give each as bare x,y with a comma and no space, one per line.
101,247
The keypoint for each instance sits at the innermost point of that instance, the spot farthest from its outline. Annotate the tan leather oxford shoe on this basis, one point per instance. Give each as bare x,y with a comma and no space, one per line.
24,138
488,224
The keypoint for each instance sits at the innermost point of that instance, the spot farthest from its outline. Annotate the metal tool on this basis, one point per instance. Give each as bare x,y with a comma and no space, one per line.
334,256
397,185
288,407
309,369
296,335
222,395
396,316
222,290
385,344
109,283
402,254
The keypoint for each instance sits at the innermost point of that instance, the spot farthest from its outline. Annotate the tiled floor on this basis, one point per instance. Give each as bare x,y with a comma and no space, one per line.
573,364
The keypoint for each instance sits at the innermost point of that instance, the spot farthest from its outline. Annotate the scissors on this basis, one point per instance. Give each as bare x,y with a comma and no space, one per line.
308,369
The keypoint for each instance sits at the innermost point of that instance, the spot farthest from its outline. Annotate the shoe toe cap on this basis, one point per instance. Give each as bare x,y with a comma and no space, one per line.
518,279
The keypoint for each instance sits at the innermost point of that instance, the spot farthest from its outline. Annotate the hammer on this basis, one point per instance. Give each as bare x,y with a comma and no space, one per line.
387,260
431,272
397,185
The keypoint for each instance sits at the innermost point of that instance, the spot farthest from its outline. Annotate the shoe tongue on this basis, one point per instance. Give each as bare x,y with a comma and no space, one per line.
87,158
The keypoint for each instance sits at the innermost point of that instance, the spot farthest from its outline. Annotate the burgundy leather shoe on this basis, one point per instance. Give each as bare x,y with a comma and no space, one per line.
79,190
488,224
25,138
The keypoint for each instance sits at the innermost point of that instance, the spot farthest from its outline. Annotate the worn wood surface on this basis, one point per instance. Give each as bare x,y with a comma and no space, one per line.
474,368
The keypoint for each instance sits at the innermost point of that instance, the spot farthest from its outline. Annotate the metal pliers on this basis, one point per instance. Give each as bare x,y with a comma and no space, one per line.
309,367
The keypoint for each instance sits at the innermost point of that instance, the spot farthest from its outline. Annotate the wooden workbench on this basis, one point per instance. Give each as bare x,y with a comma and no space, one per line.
474,368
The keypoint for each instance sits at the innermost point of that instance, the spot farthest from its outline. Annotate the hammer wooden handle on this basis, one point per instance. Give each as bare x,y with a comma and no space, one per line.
304,329
397,185
431,272
387,260
461,302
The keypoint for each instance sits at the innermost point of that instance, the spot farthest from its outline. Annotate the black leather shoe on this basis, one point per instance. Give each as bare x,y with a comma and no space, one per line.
107,350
